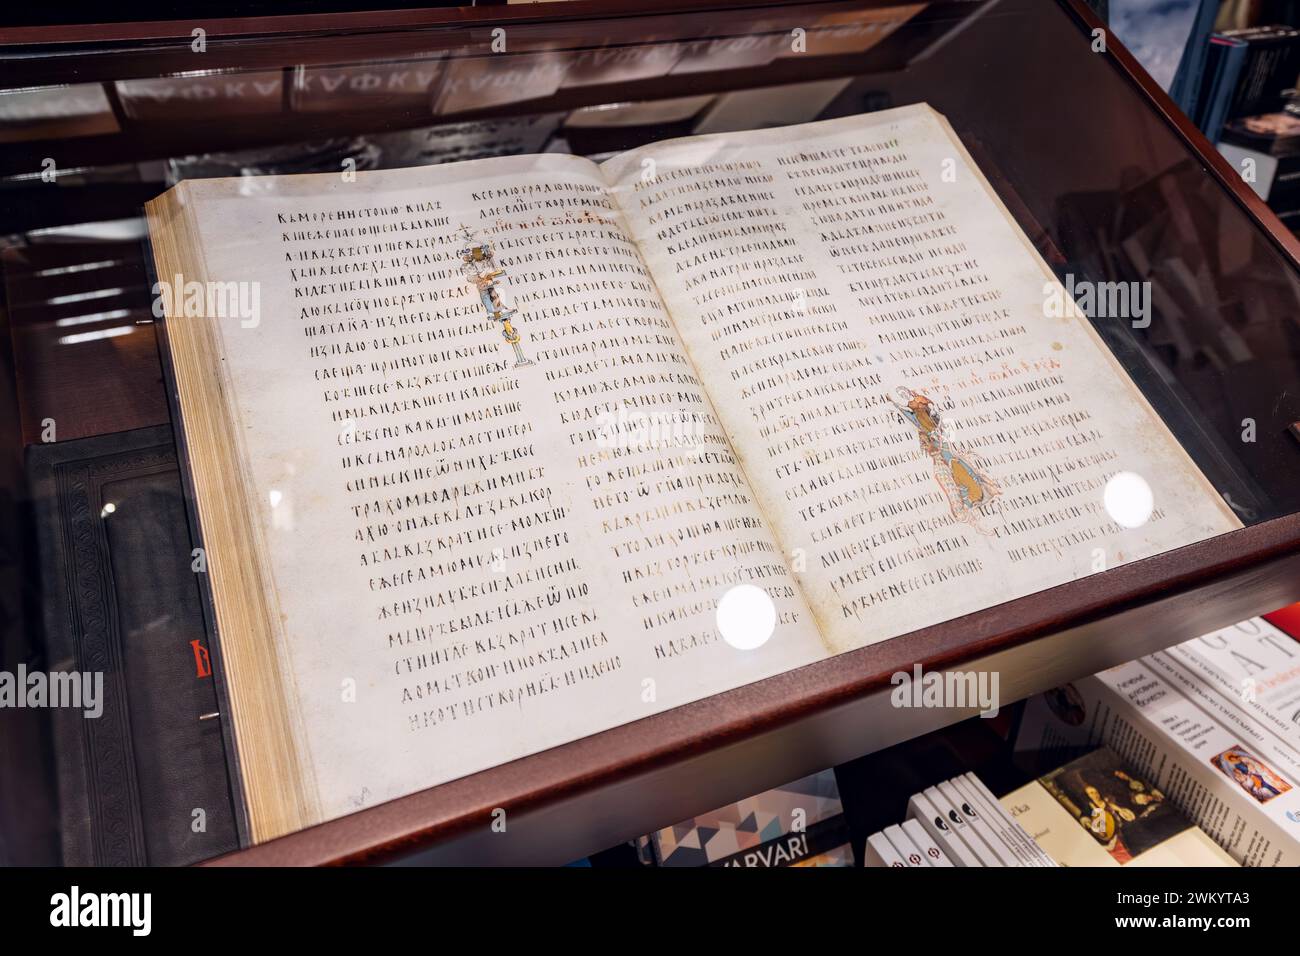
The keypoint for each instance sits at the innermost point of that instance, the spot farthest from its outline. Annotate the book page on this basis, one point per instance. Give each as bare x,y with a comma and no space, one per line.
928,425
497,505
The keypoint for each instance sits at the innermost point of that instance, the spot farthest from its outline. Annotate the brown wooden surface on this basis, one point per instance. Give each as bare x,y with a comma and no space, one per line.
188,130
193,133
276,27
269,42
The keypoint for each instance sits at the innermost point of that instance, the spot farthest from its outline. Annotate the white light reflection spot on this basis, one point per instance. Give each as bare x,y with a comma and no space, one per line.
746,617
80,337
1129,500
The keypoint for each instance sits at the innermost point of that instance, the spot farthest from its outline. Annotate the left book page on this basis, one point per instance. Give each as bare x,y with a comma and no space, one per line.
485,517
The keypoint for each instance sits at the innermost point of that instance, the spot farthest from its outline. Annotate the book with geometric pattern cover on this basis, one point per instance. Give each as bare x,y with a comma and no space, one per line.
799,824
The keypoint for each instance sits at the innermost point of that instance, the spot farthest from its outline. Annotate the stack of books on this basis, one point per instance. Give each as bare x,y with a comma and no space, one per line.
955,823
1213,723
1093,811
1186,757
1238,95
1246,72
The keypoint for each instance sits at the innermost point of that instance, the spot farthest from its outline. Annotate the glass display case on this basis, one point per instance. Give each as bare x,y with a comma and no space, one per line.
1031,343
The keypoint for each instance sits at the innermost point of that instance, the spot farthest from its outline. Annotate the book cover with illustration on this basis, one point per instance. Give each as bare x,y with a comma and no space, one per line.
1098,811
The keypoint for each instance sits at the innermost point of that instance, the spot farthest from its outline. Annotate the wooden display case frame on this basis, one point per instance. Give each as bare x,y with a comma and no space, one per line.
610,786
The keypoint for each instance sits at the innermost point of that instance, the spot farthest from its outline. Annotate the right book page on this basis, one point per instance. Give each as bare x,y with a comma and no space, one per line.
930,425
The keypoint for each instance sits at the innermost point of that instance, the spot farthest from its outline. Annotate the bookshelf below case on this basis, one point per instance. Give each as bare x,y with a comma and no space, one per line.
1188,757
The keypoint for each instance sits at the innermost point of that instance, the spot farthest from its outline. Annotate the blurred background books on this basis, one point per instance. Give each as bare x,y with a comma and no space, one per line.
1232,67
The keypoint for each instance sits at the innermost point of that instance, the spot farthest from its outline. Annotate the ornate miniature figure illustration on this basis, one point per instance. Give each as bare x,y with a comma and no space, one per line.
1250,773
480,267
1126,815
969,491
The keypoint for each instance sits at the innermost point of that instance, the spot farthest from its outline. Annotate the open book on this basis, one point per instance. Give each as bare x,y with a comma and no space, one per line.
474,472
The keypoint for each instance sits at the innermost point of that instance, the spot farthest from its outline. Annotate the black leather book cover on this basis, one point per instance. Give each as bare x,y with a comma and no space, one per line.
146,782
